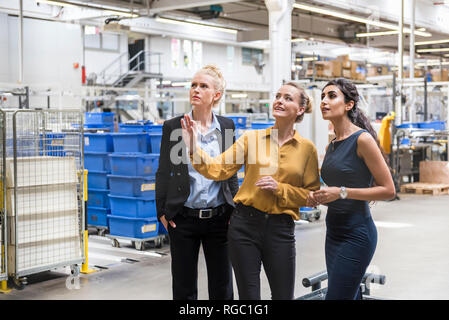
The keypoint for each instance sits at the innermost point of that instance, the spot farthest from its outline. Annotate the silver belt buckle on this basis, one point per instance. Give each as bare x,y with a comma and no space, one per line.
205,213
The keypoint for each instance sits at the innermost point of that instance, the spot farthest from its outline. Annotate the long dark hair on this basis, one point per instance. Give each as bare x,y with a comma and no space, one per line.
356,115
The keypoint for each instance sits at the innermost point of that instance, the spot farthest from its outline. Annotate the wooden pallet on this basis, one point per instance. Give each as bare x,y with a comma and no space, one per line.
425,188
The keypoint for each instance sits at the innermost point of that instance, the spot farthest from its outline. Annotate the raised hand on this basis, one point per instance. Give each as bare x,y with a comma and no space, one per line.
189,132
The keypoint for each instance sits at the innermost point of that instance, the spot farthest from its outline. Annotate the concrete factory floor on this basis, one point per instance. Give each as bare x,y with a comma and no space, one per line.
412,252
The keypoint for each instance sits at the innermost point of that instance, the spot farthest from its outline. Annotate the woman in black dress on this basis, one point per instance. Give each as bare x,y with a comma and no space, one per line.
353,160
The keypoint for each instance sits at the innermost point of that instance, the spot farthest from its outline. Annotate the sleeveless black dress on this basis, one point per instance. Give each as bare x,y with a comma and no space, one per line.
351,235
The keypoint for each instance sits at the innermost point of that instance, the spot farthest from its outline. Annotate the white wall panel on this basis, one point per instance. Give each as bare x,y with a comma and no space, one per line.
4,48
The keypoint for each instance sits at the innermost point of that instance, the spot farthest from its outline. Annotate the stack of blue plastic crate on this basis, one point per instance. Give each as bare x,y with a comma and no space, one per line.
132,182
97,147
99,121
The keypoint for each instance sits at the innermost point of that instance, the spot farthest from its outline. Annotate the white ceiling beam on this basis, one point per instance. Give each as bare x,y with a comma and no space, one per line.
167,5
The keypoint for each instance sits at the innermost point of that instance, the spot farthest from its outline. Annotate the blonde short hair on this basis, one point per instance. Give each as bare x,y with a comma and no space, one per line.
215,73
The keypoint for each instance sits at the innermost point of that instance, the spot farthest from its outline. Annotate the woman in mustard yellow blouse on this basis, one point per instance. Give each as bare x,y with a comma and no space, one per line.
281,169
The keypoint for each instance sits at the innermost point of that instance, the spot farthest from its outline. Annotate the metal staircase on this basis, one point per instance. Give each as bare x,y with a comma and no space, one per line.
130,73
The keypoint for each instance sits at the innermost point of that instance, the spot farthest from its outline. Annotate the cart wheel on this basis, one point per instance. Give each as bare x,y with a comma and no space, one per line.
158,242
115,243
75,270
101,232
18,284
166,239
139,245
317,216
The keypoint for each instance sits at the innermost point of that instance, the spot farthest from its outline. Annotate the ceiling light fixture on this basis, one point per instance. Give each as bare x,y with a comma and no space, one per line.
183,23
239,95
423,64
57,3
376,34
180,84
422,43
299,40
107,9
351,17
307,59
433,50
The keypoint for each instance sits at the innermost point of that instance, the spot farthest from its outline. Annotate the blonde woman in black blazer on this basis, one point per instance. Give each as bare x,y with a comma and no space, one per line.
196,210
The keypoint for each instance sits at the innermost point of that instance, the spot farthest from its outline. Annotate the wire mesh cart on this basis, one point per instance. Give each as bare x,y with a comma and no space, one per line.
44,192
3,221
318,293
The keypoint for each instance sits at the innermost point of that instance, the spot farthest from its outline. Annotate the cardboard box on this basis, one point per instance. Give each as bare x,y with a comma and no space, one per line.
346,73
336,68
375,71
440,75
344,59
418,74
309,73
434,172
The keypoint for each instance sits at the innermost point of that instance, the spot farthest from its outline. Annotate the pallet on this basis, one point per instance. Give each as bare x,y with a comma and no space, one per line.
425,188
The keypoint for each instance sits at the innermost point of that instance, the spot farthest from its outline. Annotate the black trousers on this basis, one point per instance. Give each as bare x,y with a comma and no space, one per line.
256,238
185,241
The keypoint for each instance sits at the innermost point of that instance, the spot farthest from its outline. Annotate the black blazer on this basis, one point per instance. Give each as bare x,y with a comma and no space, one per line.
172,180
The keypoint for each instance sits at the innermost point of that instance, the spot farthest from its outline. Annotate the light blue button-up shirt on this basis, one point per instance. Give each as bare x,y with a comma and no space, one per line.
205,193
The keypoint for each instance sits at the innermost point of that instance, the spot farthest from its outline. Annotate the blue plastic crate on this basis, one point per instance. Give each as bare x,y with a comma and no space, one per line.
408,125
304,209
98,142
98,198
437,125
240,122
97,161
97,180
133,227
156,128
134,164
261,125
100,127
51,144
26,147
131,142
135,126
142,187
155,139
99,117
98,216
132,207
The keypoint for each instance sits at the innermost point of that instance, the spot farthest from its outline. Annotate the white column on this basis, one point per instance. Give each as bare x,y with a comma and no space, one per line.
412,110
398,111
20,41
280,21
447,110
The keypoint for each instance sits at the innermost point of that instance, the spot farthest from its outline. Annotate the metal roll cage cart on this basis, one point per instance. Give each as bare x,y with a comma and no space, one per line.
319,293
43,192
3,218
406,157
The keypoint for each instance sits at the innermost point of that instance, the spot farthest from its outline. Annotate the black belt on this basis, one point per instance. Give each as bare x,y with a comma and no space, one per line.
249,210
205,213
